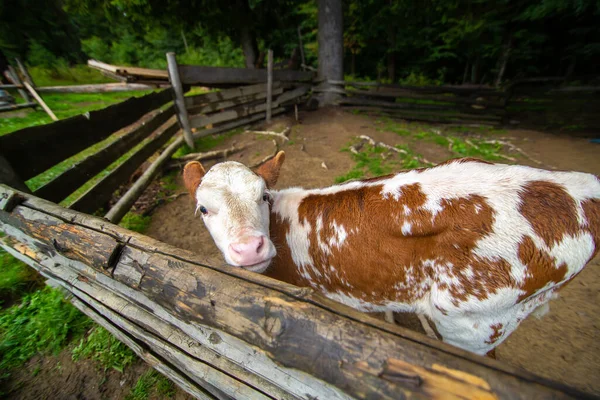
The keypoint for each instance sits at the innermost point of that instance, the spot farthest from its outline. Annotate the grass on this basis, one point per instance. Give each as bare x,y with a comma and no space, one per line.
16,278
64,105
135,222
103,348
149,384
206,143
43,323
376,161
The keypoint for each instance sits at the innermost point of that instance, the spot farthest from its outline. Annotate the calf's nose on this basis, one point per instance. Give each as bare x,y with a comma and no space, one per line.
249,251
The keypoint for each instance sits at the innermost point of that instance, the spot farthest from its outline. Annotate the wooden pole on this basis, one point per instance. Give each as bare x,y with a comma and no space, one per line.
14,77
269,84
182,114
24,72
39,100
301,48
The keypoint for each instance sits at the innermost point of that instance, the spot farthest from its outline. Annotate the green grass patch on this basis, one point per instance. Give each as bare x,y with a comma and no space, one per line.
64,105
43,323
135,222
151,383
103,348
376,161
16,278
63,76
206,143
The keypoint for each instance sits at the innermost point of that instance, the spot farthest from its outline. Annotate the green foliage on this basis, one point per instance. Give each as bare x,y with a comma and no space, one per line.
16,277
43,322
149,384
102,347
135,222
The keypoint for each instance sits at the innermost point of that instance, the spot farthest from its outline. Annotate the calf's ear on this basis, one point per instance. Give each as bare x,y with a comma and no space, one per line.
192,176
269,171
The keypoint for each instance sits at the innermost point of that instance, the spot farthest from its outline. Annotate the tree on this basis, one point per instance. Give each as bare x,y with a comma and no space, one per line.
331,46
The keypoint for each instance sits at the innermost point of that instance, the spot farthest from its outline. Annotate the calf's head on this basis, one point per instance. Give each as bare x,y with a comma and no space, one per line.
234,203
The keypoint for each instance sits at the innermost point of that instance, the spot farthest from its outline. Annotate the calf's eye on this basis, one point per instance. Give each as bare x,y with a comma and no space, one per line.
203,210
265,197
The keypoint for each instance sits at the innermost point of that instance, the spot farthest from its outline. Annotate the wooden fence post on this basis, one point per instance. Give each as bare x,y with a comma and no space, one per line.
269,84
182,114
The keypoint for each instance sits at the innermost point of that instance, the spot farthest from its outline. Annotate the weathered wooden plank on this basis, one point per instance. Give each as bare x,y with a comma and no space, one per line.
293,94
459,108
198,121
220,105
227,94
40,101
180,108
269,85
458,89
129,71
212,347
100,193
100,88
17,106
303,333
215,76
59,237
66,183
31,151
407,94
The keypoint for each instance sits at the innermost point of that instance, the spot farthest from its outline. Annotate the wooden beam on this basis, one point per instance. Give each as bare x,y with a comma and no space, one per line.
129,71
269,84
66,183
47,145
270,330
211,76
227,94
180,107
40,101
99,194
198,121
13,107
24,72
100,88
220,105
458,89
11,73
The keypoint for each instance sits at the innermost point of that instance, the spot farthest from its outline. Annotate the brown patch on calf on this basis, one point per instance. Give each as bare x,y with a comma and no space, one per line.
269,171
497,334
192,176
591,210
550,210
379,262
540,269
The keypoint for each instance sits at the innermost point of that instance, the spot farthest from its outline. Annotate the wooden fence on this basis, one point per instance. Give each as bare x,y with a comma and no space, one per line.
424,103
222,332
217,331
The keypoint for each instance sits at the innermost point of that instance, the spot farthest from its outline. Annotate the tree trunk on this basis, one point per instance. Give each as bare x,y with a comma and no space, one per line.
475,70
249,46
331,47
504,59
466,73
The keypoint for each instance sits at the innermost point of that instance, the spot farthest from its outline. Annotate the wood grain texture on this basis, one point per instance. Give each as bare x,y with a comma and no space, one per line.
303,344
216,76
31,151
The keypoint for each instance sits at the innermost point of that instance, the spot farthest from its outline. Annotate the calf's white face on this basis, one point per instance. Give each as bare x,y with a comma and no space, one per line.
234,204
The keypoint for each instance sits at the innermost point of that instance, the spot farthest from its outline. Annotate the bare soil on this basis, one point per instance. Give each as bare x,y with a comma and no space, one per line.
59,377
563,346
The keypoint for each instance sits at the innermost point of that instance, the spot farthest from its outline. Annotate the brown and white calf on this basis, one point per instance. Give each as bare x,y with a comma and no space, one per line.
474,246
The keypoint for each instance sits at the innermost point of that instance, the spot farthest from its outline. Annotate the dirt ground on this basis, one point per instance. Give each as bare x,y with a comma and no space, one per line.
50,377
563,346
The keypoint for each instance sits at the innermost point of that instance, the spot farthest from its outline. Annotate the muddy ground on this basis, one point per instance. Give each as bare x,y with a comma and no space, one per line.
563,346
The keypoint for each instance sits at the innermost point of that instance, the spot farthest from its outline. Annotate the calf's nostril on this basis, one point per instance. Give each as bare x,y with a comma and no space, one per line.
261,242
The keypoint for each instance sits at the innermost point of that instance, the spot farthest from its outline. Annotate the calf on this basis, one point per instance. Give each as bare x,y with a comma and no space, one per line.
474,246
